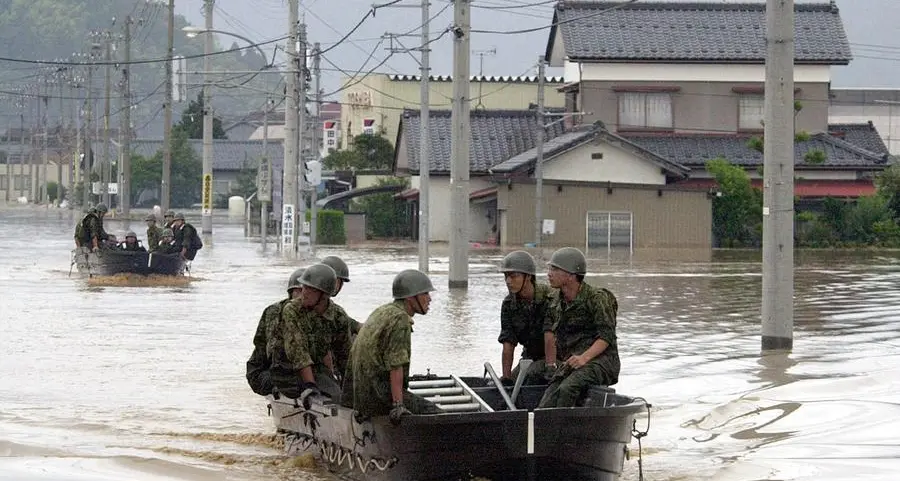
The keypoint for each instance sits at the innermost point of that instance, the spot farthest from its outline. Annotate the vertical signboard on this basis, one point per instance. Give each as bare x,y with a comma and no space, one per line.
287,226
264,180
206,198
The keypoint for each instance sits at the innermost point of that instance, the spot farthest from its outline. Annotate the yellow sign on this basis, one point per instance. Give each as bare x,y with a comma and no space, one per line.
207,192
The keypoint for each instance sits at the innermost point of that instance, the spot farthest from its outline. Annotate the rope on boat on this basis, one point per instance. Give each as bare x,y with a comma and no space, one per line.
638,434
337,455
304,440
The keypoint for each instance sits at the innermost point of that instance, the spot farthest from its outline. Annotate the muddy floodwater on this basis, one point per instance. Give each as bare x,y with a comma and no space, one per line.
143,379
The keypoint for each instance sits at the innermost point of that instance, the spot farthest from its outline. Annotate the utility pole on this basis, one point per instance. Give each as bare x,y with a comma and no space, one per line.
207,122
88,150
165,186
61,80
314,189
459,167
301,130
264,188
539,162
22,156
289,173
424,143
105,164
45,159
778,173
125,166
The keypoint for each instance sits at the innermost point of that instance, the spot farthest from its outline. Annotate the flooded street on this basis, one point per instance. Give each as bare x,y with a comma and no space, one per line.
101,381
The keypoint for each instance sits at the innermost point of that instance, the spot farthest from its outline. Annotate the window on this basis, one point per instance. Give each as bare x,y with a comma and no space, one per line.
752,112
645,110
609,232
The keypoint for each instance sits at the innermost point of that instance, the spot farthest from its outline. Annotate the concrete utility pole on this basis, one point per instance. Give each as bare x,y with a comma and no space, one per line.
778,173
207,188
459,167
265,173
289,177
301,130
539,162
424,143
165,185
125,166
105,164
45,159
314,189
88,150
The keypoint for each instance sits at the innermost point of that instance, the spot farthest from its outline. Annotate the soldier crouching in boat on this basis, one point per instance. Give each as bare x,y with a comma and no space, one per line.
167,243
377,376
585,330
131,243
526,318
90,233
344,328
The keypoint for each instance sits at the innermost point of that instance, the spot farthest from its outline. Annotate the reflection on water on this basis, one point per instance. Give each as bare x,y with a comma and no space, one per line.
129,378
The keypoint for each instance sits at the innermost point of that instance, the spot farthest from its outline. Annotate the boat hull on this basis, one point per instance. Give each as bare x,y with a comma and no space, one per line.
112,262
583,443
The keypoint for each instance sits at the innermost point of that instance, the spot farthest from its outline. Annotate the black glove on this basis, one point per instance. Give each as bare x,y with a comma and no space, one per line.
307,390
507,381
549,371
398,411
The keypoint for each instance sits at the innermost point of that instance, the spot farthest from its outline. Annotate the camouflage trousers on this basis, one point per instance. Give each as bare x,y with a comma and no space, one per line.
537,373
568,385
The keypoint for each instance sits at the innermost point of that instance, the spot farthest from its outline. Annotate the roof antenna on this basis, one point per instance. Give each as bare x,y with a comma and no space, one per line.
481,53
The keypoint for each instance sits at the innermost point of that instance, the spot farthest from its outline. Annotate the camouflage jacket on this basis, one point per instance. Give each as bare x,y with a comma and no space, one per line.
304,335
343,330
525,321
258,365
384,343
154,234
588,317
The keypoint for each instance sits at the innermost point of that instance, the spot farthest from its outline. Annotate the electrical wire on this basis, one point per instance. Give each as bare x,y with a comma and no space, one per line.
371,13
555,24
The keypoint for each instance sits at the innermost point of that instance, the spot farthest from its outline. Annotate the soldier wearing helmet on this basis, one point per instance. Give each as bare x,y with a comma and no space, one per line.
154,232
186,238
301,343
585,330
344,328
378,374
526,318
167,243
92,233
131,243
259,367
168,219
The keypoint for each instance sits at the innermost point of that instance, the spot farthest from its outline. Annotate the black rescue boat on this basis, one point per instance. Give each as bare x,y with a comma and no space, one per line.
109,262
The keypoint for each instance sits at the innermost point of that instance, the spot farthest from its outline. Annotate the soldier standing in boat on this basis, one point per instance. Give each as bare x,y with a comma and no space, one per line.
377,378
168,219
585,330
80,232
92,228
154,233
527,319
344,327
259,366
301,343
186,238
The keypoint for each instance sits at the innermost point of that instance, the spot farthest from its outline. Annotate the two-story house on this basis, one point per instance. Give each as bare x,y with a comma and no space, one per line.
686,81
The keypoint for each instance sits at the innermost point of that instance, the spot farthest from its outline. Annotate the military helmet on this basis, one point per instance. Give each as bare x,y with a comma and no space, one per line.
168,233
320,277
101,208
150,217
339,266
294,280
169,213
518,261
179,216
570,260
130,234
409,283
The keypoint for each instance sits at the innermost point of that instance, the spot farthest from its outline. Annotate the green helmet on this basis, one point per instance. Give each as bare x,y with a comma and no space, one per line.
150,217
518,261
101,208
320,277
179,216
294,280
570,260
339,266
168,233
409,283
169,213
130,234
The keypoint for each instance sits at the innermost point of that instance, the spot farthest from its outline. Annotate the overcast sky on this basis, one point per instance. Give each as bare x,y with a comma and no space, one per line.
871,25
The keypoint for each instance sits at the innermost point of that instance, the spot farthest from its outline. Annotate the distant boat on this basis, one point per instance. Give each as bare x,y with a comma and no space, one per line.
109,262
476,435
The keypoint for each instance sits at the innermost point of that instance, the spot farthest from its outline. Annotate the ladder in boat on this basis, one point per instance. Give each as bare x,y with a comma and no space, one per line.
450,394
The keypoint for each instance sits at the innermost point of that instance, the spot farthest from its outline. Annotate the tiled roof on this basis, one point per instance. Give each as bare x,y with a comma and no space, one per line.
860,135
694,150
692,32
580,136
227,154
478,78
497,135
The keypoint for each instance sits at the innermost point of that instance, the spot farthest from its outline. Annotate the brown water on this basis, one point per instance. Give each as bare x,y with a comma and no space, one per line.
144,380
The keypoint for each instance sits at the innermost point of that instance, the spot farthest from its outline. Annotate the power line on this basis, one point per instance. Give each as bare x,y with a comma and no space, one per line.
561,22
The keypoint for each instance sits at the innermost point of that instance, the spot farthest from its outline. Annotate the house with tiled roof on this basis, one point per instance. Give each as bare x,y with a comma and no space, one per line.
686,82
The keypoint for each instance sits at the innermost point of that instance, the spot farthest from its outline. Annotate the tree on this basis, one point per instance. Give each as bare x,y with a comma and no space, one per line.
192,121
186,174
738,210
385,217
367,152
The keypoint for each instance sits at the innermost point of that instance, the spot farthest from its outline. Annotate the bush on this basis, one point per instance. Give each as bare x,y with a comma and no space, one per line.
329,227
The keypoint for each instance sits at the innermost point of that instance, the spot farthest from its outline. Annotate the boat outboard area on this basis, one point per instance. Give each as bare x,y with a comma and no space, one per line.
483,429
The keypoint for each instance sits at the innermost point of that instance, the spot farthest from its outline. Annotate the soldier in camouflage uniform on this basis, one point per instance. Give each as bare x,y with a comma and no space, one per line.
585,331
168,219
92,228
154,233
131,243
344,328
167,243
377,378
526,319
80,238
301,342
259,372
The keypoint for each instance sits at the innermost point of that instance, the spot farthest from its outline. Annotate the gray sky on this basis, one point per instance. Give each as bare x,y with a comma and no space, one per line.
871,26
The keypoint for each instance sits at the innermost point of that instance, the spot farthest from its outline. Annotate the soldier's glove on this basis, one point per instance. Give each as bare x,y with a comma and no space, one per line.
549,371
308,390
397,412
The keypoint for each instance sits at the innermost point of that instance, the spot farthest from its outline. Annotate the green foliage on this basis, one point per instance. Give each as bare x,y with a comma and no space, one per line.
737,213
385,216
815,157
330,227
802,136
245,187
798,106
191,122
367,152
756,143
888,183
186,174
867,222
55,191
